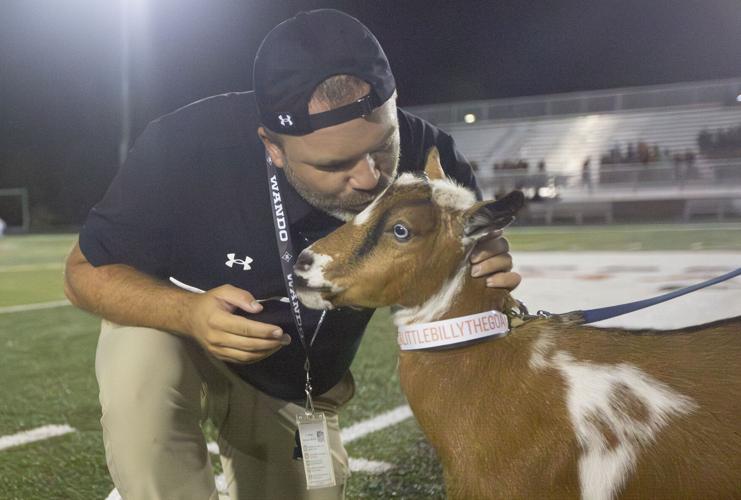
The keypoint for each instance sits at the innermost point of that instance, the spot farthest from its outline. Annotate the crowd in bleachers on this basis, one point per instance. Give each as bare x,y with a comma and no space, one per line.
517,165
640,152
634,162
521,165
723,143
516,174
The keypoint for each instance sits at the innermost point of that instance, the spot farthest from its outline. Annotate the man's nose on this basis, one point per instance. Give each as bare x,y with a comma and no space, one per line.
364,175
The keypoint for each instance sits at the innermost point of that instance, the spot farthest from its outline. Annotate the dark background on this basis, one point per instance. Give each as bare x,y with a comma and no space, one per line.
60,65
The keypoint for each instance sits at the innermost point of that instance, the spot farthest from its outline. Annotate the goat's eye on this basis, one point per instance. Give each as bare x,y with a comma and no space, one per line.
401,232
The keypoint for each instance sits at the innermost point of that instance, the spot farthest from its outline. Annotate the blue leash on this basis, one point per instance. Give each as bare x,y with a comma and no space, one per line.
601,313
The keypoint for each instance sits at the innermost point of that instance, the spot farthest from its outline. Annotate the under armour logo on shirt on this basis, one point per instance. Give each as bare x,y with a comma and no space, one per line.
245,263
285,120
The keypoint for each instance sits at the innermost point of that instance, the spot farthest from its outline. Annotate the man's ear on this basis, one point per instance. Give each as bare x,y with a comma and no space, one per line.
433,168
274,150
487,216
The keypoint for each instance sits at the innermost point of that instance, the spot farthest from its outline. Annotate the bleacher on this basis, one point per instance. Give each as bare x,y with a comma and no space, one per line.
564,136
564,142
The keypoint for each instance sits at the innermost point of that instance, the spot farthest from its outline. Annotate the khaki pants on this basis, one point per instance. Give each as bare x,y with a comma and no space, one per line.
157,388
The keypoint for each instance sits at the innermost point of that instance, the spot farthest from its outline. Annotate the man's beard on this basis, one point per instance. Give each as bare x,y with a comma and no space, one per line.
342,208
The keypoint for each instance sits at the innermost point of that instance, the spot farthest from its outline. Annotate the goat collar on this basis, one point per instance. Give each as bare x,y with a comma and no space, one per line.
451,331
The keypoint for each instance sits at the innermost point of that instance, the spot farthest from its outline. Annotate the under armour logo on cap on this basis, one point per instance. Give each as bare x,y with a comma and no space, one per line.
305,50
285,120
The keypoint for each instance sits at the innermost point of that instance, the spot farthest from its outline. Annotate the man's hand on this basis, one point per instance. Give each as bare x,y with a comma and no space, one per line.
126,296
227,336
491,259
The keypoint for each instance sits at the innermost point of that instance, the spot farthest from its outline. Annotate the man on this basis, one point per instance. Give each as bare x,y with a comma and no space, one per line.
194,202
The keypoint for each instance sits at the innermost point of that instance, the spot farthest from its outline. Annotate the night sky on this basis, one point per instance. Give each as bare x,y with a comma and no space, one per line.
60,65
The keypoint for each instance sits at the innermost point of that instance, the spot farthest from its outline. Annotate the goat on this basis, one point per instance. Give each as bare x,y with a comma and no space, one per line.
555,409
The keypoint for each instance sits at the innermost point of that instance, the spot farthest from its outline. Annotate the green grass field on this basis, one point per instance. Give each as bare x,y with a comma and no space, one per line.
47,356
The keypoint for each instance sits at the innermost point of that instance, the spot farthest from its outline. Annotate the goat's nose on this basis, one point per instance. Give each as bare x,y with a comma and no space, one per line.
304,262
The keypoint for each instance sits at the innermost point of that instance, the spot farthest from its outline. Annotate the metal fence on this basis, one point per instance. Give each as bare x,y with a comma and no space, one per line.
722,92
629,193
699,176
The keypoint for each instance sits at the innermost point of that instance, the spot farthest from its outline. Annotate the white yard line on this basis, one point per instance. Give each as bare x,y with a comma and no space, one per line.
350,434
392,417
369,466
30,436
359,430
34,307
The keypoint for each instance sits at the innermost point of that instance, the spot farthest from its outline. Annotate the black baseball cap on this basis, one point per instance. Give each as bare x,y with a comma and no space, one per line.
300,53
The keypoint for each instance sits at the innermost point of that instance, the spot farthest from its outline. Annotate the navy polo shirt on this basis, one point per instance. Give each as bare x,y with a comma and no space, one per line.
192,202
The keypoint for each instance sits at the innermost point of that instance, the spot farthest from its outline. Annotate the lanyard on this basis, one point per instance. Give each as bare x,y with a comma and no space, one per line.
287,260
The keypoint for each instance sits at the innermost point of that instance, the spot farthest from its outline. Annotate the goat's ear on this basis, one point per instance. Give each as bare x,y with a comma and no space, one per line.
488,216
433,168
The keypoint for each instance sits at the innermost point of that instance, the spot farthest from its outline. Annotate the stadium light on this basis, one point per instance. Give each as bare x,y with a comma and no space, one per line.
738,98
469,118
134,17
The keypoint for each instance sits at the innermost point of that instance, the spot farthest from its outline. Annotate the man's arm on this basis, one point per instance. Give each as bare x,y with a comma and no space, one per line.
122,294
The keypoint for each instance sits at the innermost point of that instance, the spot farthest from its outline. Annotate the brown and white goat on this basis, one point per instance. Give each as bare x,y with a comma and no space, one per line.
555,409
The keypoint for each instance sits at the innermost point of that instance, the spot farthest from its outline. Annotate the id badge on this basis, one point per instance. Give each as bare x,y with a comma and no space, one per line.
312,429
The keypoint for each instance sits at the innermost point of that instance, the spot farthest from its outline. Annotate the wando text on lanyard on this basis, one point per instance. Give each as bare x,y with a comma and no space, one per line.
311,435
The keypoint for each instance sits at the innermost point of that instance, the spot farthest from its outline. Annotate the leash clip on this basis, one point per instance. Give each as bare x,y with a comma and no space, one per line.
520,314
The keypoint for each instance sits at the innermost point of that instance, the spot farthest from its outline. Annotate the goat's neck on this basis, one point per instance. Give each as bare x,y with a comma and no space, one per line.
461,295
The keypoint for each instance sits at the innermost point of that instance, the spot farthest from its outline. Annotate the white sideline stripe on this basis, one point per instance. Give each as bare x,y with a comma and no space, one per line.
38,434
369,466
392,417
34,307
31,267
358,430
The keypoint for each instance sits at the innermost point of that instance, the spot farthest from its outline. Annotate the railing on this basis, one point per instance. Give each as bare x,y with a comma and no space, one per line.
702,174
719,92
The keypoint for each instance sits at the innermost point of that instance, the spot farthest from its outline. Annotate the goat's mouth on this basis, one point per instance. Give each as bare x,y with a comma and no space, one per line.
325,291
315,297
